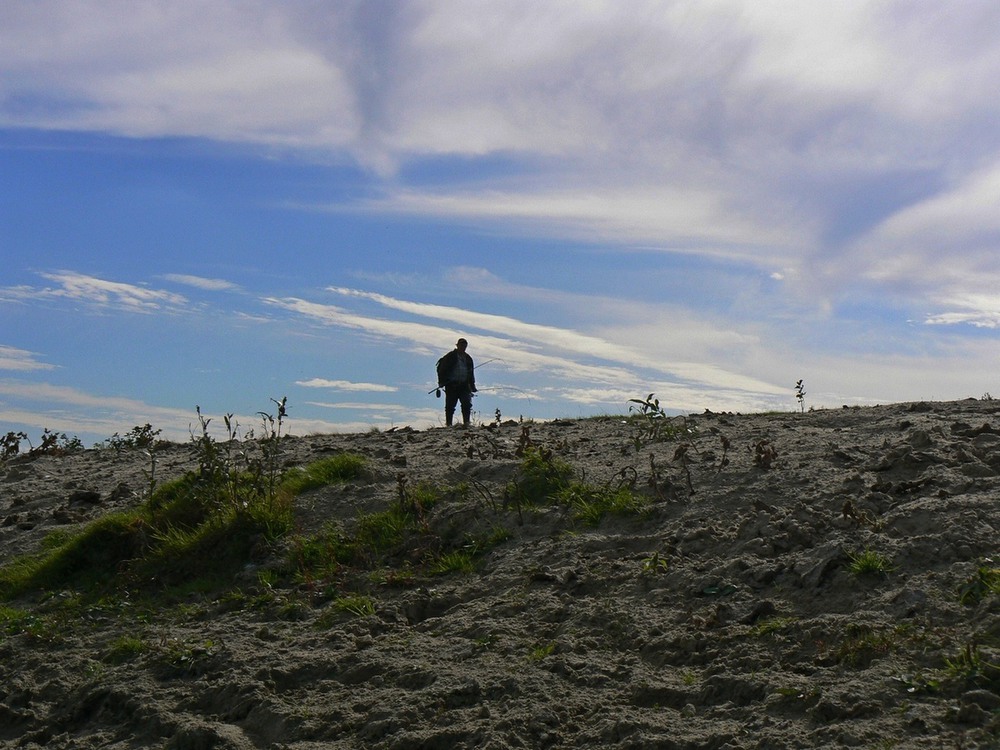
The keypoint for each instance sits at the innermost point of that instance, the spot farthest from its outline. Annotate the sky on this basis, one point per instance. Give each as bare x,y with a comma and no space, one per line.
217,205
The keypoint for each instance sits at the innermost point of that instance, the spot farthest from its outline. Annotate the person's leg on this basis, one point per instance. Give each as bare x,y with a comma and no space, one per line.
466,397
450,400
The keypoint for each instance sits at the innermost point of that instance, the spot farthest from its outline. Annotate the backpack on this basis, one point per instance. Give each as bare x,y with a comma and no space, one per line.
442,372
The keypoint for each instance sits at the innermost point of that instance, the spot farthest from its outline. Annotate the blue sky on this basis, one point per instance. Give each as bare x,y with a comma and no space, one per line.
217,204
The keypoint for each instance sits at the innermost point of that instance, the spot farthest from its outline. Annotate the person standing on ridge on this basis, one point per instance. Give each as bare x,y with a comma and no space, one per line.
456,374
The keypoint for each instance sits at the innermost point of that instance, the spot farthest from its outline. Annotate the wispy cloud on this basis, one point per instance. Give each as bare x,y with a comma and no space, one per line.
346,385
99,293
199,282
12,358
71,410
680,219
530,344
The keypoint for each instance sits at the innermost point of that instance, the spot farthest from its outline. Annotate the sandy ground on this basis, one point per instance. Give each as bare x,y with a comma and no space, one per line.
726,617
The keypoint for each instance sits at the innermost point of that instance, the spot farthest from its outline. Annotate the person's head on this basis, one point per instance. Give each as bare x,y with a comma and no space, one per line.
462,345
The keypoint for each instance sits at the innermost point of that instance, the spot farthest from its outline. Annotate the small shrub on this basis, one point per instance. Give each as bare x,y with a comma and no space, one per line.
655,564
542,476
10,444
538,653
653,424
138,438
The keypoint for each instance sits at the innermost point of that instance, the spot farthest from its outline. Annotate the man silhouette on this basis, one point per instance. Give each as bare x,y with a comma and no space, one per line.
456,374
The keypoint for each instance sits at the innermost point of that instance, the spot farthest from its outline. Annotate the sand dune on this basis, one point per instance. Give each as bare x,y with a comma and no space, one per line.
724,616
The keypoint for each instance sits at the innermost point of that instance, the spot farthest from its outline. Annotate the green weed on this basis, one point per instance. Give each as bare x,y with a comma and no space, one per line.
653,425
984,582
454,561
138,438
864,644
539,652
654,565
973,667
591,504
126,648
357,605
869,562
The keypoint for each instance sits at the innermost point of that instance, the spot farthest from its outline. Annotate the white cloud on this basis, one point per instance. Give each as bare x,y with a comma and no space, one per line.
712,128
683,218
945,246
230,71
526,347
100,293
199,282
12,358
345,385
70,410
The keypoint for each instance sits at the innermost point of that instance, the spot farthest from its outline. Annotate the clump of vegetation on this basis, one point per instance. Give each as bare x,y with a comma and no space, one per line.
653,424
973,667
771,625
206,525
800,395
543,475
390,546
10,444
764,454
546,478
51,444
983,583
869,562
333,469
140,437
864,644
591,504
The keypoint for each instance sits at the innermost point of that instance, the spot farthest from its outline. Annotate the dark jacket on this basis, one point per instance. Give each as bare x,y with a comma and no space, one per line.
446,370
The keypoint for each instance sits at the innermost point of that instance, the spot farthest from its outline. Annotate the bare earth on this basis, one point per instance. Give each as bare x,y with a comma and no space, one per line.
726,618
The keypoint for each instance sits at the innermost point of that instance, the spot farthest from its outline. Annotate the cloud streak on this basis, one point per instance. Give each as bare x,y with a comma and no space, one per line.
345,385
98,293
12,358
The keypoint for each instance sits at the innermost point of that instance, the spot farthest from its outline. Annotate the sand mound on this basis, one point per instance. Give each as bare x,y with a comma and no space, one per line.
726,616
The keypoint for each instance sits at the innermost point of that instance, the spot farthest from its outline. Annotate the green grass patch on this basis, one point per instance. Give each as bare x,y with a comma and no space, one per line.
197,531
869,562
332,470
591,504
125,649
453,561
